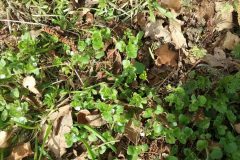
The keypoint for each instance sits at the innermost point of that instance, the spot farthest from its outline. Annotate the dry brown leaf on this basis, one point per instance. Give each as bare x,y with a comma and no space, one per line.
116,60
21,151
165,56
62,123
93,119
141,20
132,132
173,4
176,33
237,127
206,10
230,41
29,82
218,59
155,30
223,16
89,18
3,139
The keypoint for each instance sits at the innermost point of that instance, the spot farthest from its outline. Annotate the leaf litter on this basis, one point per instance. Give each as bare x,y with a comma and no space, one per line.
168,38
62,123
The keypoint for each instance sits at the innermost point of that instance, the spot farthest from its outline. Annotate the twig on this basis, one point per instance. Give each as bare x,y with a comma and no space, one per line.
23,22
79,77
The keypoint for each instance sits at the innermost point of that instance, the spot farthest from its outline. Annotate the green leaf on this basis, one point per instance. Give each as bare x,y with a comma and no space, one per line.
231,147
15,93
121,46
4,115
140,68
132,50
99,54
148,113
184,119
81,45
202,144
221,129
97,41
216,153
171,158
159,110
107,92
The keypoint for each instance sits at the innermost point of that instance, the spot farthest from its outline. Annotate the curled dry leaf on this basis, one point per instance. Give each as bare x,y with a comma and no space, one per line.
21,151
62,124
92,119
230,41
132,132
165,56
237,127
155,30
223,16
173,4
29,82
176,33
3,139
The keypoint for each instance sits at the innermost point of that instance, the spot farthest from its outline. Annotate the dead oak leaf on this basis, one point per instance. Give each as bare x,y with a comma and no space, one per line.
155,30
165,56
21,151
62,123
176,33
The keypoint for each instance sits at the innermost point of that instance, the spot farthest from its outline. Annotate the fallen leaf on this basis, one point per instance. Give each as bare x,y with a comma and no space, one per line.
230,41
116,60
173,4
176,33
223,16
35,33
218,59
165,56
93,119
206,10
21,151
62,123
141,20
89,18
90,3
29,82
3,139
132,132
237,127
155,30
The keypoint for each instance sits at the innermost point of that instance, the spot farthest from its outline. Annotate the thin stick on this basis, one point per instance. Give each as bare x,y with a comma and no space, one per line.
14,21
79,77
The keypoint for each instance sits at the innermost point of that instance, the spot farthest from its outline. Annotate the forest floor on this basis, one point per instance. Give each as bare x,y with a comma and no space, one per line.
119,79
